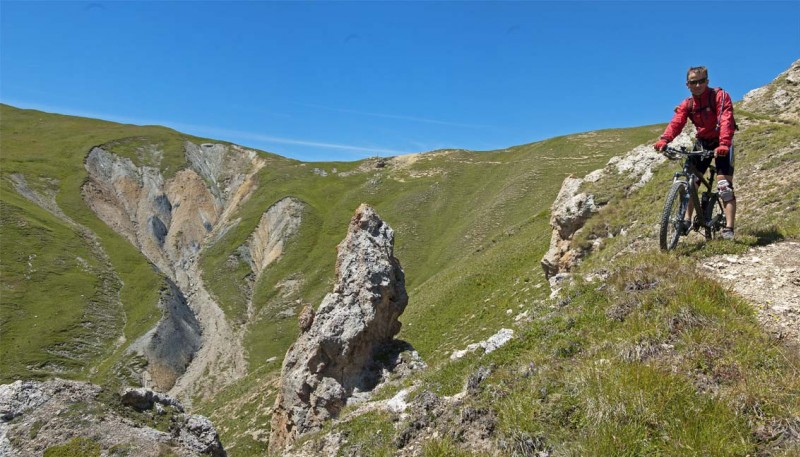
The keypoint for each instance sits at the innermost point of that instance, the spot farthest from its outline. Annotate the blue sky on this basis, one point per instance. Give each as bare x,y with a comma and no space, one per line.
347,80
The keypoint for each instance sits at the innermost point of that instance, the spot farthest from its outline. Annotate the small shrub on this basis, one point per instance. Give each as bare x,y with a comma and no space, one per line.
35,427
444,448
80,446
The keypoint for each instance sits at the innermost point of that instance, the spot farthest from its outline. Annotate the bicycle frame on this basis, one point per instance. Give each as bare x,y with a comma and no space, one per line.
702,213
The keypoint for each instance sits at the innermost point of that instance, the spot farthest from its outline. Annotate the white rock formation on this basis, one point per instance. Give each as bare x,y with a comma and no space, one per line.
572,207
491,344
277,225
780,98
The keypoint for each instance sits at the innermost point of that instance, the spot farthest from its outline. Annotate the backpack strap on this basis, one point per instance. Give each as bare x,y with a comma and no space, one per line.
712,103
719,116
689,108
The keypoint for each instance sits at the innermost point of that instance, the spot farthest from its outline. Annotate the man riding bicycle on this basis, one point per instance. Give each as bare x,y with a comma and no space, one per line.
711,112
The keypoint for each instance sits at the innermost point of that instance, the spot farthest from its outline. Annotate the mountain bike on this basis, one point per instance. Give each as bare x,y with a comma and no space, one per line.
708,212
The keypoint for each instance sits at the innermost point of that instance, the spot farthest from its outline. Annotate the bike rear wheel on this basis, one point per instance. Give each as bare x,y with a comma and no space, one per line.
671,227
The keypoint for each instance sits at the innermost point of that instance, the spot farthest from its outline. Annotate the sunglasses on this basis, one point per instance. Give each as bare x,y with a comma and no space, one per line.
696,82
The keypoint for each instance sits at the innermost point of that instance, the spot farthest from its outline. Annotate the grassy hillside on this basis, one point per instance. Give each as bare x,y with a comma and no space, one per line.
470,230
455,214
655,361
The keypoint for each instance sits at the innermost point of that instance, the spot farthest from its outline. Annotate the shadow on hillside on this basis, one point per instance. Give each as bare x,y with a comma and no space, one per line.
397,357
687,249
767,236
762,237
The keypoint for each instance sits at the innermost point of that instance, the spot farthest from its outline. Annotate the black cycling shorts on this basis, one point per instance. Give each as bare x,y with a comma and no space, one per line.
724,164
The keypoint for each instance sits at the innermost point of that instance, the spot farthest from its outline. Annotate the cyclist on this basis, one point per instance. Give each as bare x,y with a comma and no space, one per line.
711,112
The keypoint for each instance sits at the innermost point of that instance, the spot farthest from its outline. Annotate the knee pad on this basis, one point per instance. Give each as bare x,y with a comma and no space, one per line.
725,190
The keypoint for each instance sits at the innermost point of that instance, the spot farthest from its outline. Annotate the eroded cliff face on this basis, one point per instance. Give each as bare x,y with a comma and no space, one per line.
171,345
279,223
166,220
170,221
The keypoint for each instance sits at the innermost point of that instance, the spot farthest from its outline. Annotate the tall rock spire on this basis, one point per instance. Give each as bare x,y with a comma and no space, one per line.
334,358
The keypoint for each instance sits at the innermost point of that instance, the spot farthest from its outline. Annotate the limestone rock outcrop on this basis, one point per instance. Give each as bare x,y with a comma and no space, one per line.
142,399
573,207
335,358
570,211
36,416
780,98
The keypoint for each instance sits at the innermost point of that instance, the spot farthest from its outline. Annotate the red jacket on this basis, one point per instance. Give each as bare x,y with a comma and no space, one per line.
711,125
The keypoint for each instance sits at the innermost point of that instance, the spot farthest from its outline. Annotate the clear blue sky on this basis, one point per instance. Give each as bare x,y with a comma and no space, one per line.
347,80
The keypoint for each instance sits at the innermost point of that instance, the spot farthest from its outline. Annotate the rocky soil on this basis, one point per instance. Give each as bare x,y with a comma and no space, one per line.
37,416
220,359
769,278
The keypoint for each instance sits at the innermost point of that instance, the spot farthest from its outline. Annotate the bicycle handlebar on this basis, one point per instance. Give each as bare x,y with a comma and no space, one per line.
675,153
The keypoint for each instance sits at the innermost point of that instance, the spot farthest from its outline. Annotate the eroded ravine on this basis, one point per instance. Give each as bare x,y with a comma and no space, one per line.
220,360
170,221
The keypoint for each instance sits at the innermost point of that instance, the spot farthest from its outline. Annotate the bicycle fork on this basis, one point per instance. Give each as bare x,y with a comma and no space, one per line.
683,207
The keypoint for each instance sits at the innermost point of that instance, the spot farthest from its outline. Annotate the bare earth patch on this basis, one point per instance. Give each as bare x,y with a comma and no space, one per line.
768,277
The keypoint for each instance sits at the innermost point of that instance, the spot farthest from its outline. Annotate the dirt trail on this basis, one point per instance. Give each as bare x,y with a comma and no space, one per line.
768,277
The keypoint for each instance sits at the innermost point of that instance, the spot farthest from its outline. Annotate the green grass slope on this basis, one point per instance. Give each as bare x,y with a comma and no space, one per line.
656,359
455,214
470,228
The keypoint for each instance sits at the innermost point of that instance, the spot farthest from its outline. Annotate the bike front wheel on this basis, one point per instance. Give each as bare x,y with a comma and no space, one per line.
671,227
716,218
